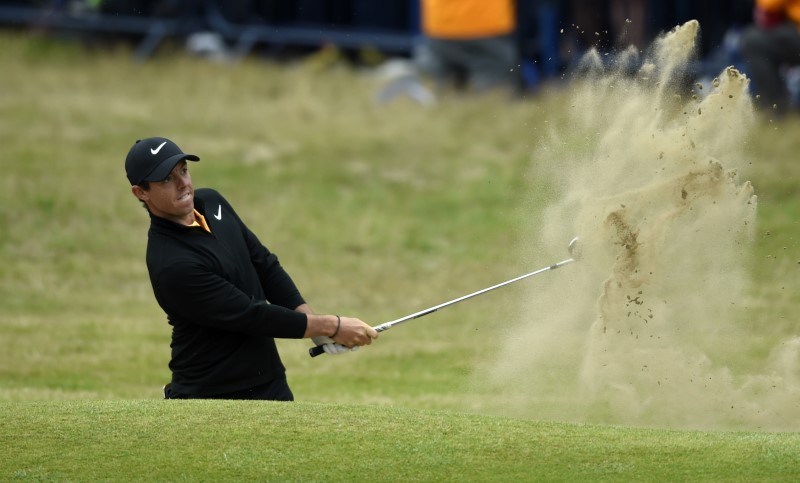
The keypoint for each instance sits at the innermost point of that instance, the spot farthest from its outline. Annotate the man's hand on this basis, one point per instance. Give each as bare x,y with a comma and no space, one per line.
353,332
337,334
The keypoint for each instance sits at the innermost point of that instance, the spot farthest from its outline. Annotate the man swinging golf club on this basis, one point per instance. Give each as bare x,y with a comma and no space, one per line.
225,294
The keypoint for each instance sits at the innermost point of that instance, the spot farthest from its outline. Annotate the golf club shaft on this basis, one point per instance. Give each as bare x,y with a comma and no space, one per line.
317,350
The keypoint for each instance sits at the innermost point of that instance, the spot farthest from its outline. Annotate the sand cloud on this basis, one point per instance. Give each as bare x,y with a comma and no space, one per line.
648,329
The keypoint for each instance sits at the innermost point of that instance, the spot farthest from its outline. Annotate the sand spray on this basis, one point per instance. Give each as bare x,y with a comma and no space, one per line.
650,328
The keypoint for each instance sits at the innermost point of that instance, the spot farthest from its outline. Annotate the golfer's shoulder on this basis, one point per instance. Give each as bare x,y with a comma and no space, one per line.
209,195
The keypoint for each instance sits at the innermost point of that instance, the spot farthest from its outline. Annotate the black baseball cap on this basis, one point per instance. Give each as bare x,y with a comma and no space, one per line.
152,159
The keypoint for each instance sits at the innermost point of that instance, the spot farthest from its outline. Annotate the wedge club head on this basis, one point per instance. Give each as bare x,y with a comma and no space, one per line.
575,248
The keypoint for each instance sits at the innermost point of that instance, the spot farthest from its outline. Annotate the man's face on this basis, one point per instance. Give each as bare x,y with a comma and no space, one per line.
171,198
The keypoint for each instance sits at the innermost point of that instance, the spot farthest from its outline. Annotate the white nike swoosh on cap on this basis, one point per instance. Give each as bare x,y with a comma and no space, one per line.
219,213
156,150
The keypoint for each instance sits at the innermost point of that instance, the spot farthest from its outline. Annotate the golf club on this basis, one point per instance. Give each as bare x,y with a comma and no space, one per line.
575,254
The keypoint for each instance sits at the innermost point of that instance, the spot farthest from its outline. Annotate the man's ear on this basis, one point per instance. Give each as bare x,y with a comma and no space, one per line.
139,193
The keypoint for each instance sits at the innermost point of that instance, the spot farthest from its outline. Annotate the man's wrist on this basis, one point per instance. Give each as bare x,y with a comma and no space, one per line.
322,325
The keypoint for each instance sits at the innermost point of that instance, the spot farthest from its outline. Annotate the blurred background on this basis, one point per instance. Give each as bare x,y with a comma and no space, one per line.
548,36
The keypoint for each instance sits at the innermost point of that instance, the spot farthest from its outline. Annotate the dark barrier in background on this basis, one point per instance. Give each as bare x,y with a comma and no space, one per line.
385,25
391,26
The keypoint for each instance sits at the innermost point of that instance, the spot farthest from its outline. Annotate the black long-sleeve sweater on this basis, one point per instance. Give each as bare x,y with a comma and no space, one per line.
226,297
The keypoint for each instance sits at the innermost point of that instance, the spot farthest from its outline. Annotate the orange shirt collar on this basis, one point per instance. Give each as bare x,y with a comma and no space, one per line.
200,220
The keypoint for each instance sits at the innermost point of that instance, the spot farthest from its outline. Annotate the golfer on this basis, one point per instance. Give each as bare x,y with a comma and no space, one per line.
225,294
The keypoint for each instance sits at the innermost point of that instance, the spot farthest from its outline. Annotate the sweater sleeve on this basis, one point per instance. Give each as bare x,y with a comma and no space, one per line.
192,293
279,288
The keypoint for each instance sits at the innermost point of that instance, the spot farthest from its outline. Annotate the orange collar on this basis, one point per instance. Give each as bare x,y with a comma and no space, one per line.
200,220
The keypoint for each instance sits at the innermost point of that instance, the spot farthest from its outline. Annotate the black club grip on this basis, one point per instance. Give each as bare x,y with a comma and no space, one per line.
316,351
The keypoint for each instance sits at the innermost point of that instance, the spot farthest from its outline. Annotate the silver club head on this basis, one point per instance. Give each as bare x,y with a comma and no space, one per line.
574,248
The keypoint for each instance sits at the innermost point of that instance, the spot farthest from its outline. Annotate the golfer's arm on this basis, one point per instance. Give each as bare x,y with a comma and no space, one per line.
218,303
278,286
317,324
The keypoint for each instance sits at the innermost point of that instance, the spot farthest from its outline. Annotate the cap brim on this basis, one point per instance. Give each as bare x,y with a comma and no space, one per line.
166,166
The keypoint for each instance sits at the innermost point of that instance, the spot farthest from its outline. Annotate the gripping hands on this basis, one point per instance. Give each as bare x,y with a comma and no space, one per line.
329,346
347,334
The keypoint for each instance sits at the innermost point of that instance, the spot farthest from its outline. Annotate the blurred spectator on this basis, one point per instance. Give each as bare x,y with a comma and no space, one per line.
470,44
538,40
769,47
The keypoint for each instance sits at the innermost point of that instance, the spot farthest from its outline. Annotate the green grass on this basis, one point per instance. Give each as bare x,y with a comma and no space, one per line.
140,440
377,212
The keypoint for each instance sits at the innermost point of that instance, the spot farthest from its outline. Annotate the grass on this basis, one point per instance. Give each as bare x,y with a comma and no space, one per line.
377,211
149,440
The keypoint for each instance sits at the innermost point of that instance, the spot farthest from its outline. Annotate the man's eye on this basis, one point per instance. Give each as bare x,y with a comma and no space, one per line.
167,179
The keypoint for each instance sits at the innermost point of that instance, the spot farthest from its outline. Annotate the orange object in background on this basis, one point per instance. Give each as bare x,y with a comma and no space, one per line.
468,19
769,13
